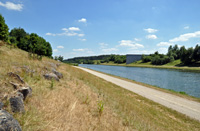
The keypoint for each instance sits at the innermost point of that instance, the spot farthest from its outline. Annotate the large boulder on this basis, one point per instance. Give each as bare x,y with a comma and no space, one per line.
26,91
51,76
59,75
16,102
7,122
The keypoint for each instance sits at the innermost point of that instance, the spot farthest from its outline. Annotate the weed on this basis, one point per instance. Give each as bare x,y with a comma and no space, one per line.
86,100
100,107
52,85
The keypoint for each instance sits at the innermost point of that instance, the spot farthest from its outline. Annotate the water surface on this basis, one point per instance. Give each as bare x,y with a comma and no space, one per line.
177,80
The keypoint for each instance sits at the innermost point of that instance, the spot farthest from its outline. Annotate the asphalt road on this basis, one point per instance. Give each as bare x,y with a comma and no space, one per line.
182,105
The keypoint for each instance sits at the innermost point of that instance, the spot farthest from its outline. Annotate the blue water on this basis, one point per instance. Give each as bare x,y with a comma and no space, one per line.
177,80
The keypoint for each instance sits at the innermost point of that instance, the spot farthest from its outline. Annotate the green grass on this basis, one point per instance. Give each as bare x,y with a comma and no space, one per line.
136,111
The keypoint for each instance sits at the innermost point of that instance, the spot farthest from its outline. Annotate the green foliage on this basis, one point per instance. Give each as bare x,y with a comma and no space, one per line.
30,42
100,107
146,58
119,59
3,29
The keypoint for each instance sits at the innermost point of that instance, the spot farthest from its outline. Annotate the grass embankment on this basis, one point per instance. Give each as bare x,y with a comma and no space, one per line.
81,101
173,65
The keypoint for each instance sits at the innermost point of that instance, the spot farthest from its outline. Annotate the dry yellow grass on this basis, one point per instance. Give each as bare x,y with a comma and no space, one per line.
72,103
66,105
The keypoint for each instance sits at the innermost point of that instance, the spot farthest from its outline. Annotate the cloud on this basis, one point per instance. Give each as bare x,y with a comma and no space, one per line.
186,37
55,50
150,30
131,44
83,39
74,29
109,50
103,45
80,50
50,34
81,35
82,20
65,29
136,39
151,37
60,47
164,44
12,6
186,27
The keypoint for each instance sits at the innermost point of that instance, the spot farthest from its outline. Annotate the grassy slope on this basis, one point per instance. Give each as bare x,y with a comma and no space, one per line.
72,103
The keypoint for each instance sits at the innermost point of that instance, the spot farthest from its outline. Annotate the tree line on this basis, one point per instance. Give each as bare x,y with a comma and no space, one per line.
18,37
187,56
118,59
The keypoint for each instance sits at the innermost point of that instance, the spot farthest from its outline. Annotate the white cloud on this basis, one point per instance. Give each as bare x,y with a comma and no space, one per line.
83,39
186,37
12,6
164,44
80,50
131,44
74,29
150,30
151,37
186,27
65,29
82,20
103,45
60,47
81,35
50,34
136,39
109,50
55,50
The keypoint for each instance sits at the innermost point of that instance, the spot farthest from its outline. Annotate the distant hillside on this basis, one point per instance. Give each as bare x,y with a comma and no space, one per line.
118,59
86,59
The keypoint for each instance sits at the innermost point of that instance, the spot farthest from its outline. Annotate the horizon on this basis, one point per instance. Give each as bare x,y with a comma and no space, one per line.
92,28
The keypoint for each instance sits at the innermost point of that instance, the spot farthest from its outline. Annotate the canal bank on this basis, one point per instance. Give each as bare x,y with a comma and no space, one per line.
187,107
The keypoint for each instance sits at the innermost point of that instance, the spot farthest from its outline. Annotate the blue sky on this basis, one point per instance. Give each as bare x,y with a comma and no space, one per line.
95,27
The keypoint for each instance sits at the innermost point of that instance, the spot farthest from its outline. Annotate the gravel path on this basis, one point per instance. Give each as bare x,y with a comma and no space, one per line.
185,106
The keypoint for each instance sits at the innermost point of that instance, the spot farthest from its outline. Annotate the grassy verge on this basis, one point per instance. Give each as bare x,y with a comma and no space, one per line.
136,111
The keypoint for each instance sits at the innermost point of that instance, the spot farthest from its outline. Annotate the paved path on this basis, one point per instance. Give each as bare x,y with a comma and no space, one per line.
187,107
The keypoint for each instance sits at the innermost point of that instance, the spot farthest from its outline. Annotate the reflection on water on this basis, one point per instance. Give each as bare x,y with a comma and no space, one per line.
188,82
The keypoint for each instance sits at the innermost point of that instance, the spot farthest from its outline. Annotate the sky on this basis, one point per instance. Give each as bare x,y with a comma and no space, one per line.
96,27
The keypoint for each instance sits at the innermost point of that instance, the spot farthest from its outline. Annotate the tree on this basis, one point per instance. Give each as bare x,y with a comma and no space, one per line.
196,53
60,58
3,29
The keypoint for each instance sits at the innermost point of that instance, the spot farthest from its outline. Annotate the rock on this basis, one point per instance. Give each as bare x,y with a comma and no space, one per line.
11,74
7,122
51,76
16,102
1,105
59,75
26,91
52,65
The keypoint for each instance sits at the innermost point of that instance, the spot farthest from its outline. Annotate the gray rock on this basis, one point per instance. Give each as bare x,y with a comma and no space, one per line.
16,102
59,75
7,122
51,76
26,91
1,105
52,65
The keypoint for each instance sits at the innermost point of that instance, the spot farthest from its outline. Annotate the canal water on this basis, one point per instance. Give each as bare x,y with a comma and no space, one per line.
177,80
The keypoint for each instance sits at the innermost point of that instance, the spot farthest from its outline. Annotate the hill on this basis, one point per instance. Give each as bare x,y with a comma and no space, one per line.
80,101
